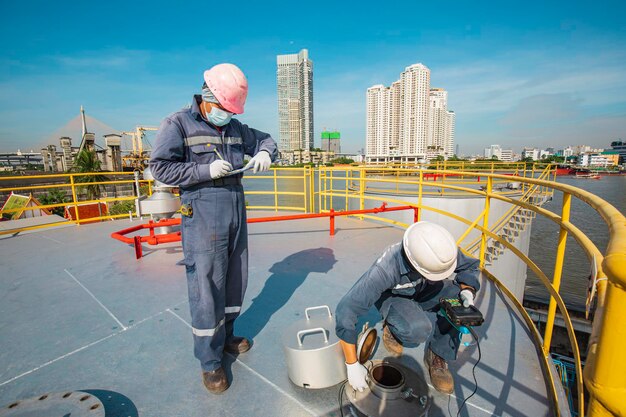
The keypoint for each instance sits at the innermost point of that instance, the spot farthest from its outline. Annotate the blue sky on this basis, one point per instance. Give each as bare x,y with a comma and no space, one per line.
519,73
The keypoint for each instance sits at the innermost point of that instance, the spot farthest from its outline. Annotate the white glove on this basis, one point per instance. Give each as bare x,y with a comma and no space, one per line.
261,161
467,297
357,376
219,168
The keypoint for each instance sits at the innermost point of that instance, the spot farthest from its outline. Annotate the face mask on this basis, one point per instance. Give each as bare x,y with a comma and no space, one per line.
218,117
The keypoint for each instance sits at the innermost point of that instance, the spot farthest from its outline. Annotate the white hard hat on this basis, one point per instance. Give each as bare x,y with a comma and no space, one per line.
431,249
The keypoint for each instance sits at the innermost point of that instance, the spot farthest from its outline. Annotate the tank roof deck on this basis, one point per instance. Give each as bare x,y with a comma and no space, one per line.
79,312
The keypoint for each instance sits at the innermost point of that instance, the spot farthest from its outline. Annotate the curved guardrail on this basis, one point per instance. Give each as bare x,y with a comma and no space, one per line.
604,374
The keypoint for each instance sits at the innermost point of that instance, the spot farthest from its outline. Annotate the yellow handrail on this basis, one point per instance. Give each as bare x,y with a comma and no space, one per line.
607,386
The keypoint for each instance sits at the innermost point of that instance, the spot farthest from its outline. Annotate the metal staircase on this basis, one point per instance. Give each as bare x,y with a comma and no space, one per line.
510,228
514,222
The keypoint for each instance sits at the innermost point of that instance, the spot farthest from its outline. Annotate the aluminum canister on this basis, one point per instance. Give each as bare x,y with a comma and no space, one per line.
312,351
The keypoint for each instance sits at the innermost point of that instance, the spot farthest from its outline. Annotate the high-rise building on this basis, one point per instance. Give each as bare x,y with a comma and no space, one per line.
394,103
378,127
331,142
294,77
440,125
409,121
414,106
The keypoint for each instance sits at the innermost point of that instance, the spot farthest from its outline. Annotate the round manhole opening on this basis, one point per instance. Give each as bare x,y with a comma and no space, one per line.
387,376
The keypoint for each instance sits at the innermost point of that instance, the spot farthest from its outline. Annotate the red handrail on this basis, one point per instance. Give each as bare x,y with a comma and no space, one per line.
155,239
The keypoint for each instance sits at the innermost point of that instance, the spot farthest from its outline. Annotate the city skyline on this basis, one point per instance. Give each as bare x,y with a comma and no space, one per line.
544,75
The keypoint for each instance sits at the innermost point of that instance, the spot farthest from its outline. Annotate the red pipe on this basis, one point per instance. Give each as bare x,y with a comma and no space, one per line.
155,239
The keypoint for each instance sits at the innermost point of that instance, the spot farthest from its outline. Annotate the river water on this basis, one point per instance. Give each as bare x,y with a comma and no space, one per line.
544,237
544,233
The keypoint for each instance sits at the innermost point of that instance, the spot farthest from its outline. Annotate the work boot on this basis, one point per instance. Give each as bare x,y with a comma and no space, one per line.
440,375
215,381
392,344
237,345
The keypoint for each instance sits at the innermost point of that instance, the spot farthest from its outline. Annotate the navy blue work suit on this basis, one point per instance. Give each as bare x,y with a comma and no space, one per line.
407,301
214,234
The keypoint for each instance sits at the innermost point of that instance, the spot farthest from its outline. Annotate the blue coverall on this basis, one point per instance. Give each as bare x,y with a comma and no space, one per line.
214,234
407,301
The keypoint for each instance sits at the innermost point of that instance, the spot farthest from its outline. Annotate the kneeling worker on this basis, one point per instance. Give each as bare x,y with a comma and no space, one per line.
405,284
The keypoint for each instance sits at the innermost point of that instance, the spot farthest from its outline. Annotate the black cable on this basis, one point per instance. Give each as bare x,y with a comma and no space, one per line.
341,391
471,329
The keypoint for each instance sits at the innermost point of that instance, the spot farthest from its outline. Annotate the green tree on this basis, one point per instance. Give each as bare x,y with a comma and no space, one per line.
554,159
55,196
87,161
342,160
122,207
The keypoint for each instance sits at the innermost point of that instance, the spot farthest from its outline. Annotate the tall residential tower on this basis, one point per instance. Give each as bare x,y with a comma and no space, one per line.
408,121
294,77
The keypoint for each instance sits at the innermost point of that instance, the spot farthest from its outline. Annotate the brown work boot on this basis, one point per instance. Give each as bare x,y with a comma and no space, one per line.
392,344
237,345
215,381
440,375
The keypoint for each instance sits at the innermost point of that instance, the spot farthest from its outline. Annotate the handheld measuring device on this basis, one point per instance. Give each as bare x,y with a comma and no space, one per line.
459,315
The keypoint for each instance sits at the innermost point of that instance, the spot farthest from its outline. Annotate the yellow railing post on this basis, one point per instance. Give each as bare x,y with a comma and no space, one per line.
483,238
311,172
443,181
308,190
319,189
362,189
397,179
74,199
558,269
348,175
419,196
605,370
276,193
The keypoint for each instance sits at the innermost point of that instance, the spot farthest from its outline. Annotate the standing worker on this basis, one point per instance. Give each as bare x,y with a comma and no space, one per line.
405,284
195,149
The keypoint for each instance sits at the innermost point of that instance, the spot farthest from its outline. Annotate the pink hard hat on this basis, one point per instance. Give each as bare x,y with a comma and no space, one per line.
228,85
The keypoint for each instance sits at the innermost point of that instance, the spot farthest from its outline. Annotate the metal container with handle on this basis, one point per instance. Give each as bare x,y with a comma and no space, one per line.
312,351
